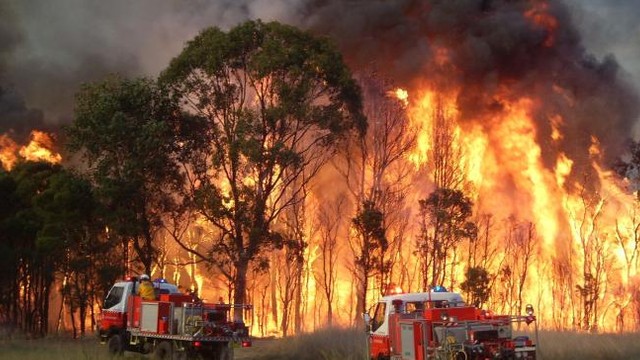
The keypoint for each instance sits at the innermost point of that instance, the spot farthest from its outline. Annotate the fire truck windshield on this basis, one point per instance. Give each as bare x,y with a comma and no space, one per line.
113,297
378,316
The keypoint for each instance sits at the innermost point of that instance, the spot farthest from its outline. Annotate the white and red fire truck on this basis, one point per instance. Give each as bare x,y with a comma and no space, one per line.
439,325
175,325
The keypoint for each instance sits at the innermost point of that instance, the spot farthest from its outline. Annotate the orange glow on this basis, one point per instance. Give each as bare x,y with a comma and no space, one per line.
539,15
563,169
442,56
507,176
511,151
556,123
402,95
594,149
40,148
8,152
393,289
581,218
423,114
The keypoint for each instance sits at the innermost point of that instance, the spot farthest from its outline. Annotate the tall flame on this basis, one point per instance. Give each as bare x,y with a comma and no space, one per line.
39,148
8,151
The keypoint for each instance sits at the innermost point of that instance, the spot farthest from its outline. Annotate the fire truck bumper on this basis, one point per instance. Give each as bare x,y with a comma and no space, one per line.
525,352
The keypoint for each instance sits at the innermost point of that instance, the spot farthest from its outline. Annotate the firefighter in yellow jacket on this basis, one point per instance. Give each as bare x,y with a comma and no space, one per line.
145,289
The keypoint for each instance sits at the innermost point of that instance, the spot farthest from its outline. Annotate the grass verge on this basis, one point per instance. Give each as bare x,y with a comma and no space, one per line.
329,344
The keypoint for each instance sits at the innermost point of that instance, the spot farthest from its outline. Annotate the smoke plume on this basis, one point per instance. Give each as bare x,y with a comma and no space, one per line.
531,47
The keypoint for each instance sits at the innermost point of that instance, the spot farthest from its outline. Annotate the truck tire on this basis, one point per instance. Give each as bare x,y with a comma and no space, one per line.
163,351
115,345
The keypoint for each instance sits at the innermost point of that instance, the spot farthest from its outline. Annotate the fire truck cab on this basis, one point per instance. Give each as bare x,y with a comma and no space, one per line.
411,302
118,295
440,325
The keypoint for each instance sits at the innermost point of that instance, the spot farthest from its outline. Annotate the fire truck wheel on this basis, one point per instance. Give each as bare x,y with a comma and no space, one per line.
163,351
115,345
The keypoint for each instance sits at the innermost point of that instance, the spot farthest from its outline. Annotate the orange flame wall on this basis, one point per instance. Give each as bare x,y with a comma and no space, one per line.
585,228
536,121
581,261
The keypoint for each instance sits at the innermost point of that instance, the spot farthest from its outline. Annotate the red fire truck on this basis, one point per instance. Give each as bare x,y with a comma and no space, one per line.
175,325
439,325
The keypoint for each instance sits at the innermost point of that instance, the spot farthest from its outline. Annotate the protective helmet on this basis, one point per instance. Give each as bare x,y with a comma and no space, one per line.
144,277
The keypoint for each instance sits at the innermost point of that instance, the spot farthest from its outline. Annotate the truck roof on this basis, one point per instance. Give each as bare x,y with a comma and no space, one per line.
451,297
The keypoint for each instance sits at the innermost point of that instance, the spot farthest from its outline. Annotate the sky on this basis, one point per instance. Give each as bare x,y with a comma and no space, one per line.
49,48
611,27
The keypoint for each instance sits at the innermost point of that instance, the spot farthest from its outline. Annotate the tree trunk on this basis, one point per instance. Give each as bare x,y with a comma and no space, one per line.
73,322
361,299
298,297
60,314
240,285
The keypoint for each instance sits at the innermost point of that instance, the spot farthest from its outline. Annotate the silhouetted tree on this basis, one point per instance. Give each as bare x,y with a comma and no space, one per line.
369,249
476,285
445,222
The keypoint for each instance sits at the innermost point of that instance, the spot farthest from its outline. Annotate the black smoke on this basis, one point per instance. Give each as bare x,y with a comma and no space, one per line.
492,45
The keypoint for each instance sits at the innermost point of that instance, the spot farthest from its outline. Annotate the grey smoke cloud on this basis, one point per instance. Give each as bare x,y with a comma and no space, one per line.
47,49
492,44
50,48
611,27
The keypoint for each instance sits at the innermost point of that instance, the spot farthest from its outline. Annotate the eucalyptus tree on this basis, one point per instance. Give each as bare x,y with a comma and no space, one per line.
29,264
267,105
123,129
445,220
73,233
377,177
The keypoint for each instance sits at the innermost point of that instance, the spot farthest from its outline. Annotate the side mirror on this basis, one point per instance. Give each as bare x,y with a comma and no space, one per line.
367,318
367,322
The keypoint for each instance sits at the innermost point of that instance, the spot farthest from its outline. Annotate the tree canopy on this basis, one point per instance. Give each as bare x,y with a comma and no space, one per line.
123,128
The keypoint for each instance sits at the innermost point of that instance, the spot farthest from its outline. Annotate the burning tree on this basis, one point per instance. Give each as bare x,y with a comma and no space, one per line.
329,226
377,178
519,245
267,103
445,155
594,256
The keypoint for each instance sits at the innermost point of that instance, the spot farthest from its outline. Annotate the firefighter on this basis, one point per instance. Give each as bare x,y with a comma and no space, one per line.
145,290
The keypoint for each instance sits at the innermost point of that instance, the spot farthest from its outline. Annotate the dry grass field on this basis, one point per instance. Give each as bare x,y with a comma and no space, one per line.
333,344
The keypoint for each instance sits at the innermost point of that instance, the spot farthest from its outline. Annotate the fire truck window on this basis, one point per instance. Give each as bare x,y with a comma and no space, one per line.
114,297
414,306
378,316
